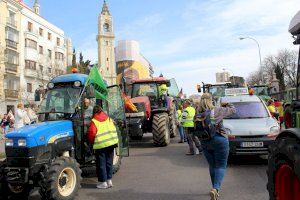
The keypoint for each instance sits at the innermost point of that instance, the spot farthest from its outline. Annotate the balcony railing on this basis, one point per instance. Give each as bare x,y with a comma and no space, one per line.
13,94
11,44
11,22
11,67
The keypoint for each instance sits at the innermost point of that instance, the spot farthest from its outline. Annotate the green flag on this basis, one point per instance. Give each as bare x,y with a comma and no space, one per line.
96,79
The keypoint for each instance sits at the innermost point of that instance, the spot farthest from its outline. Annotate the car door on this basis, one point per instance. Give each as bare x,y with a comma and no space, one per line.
116,110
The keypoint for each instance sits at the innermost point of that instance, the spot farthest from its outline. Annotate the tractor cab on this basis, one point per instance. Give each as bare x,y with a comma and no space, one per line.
155,89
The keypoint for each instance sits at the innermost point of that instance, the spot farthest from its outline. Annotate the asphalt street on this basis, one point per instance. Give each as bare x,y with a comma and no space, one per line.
168,174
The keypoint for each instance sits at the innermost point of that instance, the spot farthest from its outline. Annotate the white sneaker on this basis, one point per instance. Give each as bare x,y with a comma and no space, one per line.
102,185
110,184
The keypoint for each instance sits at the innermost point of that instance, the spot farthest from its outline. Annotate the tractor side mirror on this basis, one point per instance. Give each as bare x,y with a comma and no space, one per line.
199,88
37,95
168,84
90,92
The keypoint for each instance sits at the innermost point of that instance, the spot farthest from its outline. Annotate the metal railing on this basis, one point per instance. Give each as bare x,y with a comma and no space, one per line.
11,93
11,44
11,22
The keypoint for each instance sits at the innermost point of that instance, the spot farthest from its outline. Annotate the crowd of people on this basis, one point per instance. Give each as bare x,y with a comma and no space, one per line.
24,115
200,124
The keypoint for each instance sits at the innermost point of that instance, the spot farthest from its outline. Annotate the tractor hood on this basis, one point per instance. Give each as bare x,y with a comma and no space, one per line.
42,133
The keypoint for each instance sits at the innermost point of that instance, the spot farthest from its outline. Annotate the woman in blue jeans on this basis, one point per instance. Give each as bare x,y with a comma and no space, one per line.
216,150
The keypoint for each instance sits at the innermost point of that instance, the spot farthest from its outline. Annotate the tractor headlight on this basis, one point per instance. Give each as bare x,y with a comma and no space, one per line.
77,83
50,85
9,142
22,143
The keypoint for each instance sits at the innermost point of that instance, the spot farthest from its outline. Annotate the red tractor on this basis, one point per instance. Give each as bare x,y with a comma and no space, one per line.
156,110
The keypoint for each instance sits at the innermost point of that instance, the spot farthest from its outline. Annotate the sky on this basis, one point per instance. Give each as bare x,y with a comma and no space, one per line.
189,40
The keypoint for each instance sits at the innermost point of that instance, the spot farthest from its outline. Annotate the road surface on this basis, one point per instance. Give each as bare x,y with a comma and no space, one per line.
168,174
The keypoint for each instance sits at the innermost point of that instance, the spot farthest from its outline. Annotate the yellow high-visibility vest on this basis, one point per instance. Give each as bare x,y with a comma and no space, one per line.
162,89
188,117
107,134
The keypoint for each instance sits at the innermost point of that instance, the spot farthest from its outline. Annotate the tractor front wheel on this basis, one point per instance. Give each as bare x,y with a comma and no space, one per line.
160,129
61,180
284,169
12,191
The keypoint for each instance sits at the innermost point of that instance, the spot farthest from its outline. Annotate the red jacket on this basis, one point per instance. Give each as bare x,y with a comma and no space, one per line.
101,117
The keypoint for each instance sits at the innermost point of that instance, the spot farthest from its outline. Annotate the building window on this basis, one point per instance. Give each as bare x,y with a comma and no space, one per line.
41,32
41,67
31,44
49,70
49,53
12,34
12,57
49,36
41,50
29,87
59,56
29,64
106,59
29,27
58,41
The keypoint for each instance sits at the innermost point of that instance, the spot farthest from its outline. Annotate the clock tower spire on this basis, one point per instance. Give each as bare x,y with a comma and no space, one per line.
106,52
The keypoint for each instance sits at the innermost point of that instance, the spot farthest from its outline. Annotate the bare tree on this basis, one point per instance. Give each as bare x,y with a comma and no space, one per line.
254,78
284,64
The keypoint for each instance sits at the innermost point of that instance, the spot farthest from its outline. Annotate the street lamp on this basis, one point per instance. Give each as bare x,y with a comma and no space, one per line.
224,69
261,71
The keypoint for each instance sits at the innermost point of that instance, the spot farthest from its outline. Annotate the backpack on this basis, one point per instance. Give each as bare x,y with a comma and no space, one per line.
205,129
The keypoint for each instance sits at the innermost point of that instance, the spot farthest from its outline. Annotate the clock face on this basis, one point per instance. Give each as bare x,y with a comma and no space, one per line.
106,27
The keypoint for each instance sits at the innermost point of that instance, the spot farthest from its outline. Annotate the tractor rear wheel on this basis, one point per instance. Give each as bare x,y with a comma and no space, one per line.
61,180
284,169
160,129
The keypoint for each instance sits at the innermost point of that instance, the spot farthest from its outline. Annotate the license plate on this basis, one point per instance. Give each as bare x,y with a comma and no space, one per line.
252,144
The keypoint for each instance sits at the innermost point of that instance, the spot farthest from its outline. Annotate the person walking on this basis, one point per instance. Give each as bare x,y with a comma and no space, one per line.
188,125
103,135
5,124
216,148
20,116
180,127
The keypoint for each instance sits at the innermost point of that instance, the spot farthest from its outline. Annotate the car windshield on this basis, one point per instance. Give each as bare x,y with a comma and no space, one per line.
147,89
60,100
249,110
261,91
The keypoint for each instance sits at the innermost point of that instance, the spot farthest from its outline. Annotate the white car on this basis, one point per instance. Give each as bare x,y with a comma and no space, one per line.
252,127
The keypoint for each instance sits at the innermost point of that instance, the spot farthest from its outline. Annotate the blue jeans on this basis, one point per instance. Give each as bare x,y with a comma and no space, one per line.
216,152
182,133
104,164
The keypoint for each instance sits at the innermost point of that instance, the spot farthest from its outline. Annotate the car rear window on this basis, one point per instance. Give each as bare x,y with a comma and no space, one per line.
249,110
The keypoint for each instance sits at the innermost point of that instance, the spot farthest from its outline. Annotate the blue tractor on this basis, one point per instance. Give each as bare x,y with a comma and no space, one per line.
51,154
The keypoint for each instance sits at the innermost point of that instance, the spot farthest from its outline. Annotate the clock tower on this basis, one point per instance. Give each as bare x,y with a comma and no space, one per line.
106,52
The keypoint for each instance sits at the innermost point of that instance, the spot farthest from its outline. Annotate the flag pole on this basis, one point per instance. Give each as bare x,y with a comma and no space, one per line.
81,94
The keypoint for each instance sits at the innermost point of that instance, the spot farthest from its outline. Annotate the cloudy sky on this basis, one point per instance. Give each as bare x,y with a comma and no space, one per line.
189,40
